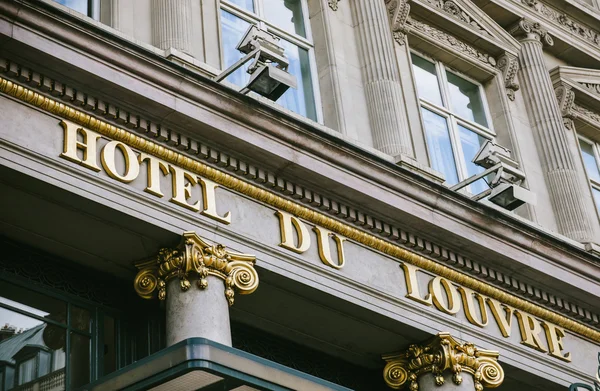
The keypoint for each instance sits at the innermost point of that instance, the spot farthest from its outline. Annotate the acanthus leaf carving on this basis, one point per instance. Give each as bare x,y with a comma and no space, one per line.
565,21
592,87
509,65
447,40
586,114
526,28
398,11
452,8
566,100
195,258
333,4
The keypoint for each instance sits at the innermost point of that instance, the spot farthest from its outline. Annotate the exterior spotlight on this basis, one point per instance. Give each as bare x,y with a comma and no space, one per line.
502,176
510,196
268,70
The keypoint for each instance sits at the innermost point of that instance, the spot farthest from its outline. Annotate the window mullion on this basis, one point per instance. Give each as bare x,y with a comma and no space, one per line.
443,83
457,148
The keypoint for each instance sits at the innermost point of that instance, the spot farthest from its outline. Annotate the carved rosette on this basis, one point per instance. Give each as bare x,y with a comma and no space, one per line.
443,353
526,28
398,11
195,258
509,65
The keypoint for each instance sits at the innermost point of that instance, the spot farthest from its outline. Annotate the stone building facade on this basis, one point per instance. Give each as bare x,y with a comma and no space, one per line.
162,230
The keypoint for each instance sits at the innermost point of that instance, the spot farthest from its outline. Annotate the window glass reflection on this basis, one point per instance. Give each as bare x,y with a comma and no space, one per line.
32,351
285,14
587,151
470,143
32,302
465,99
248,5
439,146
77,5
233,31
427,81
299,100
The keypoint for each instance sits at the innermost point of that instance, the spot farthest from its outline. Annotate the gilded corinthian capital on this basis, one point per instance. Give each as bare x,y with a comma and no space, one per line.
442,353
195,258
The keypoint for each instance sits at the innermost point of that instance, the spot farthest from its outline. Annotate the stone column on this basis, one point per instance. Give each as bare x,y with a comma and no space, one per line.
443,364
197,280
564,187
172,24
381,78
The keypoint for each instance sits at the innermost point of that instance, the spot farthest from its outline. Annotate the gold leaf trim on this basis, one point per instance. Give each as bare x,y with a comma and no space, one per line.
33,98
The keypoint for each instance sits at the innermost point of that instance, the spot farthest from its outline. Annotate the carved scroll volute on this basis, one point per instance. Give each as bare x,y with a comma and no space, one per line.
509,65
398,11
443,353
566,98
195,258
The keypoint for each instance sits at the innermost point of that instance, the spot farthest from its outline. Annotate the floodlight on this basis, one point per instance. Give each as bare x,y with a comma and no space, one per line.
269,76
271,82
510,196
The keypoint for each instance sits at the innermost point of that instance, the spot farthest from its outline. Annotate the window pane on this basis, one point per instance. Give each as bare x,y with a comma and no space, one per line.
33,302
80,360
427,81
465,100
110,345
596,194
77,5
233,29
438,145
26,340
470,143
285,14
300,100
587,151
80,319
245,4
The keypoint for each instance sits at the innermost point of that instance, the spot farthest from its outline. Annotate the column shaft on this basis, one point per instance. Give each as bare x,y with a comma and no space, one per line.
172,24
197,313
381,78
549,132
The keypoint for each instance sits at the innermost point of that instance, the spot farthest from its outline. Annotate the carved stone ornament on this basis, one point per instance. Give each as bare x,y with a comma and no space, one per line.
565,97
509,65
566,22
453,9
333,4
450,41
196,258
398,11
526,28
591,87
440,354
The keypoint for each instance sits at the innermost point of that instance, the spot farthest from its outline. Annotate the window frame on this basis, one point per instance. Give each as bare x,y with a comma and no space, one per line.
592,183
307,43
453,120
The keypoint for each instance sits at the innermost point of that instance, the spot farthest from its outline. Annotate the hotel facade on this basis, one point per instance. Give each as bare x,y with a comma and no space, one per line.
164,229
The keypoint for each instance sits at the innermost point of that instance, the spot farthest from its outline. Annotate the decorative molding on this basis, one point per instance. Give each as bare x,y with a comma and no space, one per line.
566,98
196,258
509,65
567,23
586,114
271,182
447,40
443,353
269,197
398,11
452,8
526,28
333,4
594,88
571,110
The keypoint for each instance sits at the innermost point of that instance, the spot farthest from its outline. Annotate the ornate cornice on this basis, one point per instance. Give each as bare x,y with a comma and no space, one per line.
268,180
443,353
398,11
449,41
527,29
385,241
509,65
579,30
195,258
453,9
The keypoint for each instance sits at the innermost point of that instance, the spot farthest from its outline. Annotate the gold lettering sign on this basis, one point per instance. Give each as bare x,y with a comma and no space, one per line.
198,194
445,296
188,190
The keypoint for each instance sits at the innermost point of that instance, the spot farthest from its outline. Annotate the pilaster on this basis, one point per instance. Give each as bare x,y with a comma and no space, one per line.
441,364
381,78
564,187
198,282
172,24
